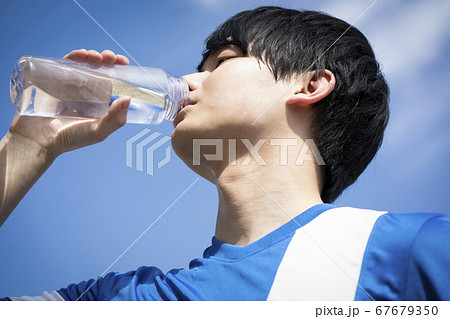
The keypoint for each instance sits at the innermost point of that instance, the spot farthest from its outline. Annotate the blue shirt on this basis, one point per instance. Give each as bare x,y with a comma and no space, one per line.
325,253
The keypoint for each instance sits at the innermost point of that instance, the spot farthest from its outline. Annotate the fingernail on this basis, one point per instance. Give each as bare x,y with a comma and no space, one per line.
125,58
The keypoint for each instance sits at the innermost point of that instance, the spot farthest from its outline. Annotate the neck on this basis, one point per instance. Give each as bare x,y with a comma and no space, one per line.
255,200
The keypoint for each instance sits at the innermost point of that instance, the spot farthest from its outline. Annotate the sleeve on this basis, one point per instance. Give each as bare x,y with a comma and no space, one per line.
428,276
53,296
86,290
133,285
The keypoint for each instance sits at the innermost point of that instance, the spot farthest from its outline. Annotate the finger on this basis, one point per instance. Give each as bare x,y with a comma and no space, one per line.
108,57
123,60
77,55
94,57
116,118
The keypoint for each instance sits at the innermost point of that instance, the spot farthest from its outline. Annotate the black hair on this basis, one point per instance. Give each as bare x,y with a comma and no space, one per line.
349,123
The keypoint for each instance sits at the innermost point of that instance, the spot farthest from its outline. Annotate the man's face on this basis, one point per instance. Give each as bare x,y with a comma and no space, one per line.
230,93
234,97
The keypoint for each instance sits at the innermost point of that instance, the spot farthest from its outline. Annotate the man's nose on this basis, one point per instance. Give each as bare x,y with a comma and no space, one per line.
195,80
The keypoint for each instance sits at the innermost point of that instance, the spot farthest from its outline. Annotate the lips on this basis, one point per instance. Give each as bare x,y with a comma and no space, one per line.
181,115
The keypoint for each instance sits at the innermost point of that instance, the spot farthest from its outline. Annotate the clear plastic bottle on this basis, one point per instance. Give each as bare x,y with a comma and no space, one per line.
59,87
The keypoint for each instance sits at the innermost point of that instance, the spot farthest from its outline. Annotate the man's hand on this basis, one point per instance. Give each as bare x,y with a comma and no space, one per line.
32,143
58,135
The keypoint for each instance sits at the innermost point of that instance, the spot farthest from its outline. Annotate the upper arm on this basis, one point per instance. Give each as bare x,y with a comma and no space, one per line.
112,286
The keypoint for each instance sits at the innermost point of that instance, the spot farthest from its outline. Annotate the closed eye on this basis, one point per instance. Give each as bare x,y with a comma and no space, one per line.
223,59
221,55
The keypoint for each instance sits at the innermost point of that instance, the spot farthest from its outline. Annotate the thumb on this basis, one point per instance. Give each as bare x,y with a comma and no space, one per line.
115,119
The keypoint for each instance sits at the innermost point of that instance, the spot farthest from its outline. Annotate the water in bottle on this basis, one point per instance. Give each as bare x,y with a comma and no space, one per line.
58,87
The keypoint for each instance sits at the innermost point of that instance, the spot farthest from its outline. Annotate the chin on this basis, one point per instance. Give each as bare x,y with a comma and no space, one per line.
182,141
182,144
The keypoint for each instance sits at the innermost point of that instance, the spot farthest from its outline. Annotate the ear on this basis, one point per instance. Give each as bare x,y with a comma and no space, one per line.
313,89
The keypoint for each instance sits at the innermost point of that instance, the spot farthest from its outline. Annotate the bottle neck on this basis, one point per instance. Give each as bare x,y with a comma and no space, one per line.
178,96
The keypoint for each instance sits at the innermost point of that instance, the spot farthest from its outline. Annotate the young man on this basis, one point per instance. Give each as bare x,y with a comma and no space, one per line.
271,81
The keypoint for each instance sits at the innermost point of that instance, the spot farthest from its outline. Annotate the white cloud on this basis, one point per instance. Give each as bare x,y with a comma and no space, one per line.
350,10
427,150
407,37
413,37
210,4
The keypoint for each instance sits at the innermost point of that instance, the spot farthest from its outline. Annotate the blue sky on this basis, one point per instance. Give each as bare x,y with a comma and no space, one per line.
89,206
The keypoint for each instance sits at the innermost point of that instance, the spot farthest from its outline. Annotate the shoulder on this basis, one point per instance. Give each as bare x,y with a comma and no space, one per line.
432,239
429,261
407,227
115,286
410,232
405,255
